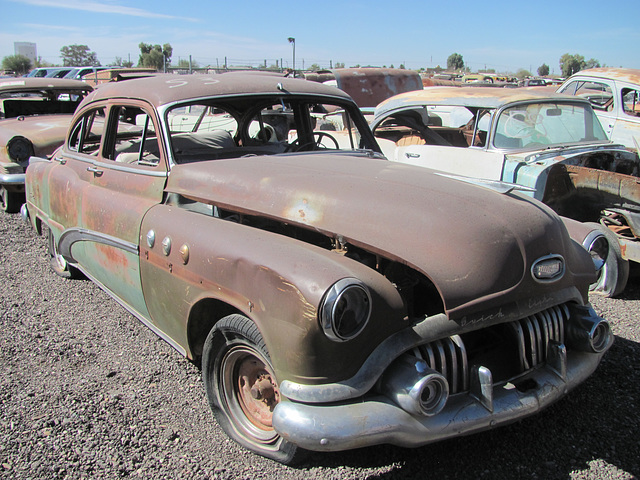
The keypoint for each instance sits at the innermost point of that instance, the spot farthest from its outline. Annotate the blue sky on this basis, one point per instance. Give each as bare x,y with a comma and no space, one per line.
503,35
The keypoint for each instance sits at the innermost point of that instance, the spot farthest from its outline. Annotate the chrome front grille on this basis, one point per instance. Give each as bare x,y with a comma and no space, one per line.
534,333
507,350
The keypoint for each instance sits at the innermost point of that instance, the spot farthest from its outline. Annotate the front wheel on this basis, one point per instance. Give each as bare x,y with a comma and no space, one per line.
10,201
242,389
613,276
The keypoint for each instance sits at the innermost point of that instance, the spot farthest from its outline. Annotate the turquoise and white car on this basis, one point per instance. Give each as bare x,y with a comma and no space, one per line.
549,144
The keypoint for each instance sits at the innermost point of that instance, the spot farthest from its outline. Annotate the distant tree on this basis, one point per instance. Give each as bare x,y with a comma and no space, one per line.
42,63
592,63
184,63
401,67
78,56
16,63
455,62
123,63
543,70
522,73
570,64
314,67
155,56
339,65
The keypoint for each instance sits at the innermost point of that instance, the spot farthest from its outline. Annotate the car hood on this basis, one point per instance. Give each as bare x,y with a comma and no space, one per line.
46,132
474,243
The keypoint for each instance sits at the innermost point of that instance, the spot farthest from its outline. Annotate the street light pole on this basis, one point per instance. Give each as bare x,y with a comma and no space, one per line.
293,41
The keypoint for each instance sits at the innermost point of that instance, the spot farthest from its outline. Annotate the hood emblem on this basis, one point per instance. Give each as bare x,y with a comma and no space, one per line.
548,269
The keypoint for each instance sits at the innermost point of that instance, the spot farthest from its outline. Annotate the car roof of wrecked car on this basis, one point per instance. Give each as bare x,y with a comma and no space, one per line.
164,89
484,97
26,84
623,74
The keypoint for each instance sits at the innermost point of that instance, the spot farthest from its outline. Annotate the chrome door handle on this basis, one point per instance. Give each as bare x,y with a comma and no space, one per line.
412,155
96,172
61,161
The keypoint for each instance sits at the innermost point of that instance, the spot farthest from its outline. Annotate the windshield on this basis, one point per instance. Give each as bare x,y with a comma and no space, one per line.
232,128
538,124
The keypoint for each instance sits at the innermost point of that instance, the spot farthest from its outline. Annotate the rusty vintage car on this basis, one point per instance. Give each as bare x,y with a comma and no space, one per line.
614,94
552,144
334,299
34,118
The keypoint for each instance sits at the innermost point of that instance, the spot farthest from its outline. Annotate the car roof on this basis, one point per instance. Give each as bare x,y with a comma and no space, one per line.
36,84
623,74
484,97
163,89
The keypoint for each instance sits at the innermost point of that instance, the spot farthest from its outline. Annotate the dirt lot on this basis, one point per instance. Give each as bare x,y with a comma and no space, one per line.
89,392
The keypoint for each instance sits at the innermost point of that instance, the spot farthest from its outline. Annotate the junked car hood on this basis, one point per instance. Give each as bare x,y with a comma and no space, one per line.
474,243
46,132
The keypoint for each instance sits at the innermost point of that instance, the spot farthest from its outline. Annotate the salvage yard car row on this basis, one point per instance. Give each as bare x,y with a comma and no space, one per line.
334,299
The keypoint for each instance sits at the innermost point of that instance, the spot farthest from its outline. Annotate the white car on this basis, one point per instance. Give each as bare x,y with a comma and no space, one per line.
550,145
614,94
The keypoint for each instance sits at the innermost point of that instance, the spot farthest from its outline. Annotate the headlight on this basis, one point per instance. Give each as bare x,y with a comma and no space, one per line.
598,246
20,149
345,310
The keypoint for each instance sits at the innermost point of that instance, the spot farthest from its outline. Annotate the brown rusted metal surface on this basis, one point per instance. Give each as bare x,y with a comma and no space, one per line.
469,97
629,75
370,86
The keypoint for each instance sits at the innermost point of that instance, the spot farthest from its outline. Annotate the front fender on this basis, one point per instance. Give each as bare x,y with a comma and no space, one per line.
277,281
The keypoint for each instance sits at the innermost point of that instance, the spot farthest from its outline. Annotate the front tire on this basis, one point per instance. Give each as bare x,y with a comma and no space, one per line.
10,202
242,388
612,278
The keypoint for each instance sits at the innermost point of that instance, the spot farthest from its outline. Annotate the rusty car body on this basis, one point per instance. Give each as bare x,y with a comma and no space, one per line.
326,313
369,86
614,94
34,119
552,144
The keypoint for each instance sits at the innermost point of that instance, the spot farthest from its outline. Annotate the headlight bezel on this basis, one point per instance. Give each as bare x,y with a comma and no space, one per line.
333,309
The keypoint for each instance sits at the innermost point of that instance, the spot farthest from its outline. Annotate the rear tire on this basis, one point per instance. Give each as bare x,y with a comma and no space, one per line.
242,389
612,278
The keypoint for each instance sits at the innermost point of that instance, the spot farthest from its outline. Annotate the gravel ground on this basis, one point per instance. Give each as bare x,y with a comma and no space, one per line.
89,392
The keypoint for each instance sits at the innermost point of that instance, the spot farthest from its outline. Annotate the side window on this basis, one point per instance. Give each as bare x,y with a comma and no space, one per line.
87,132
599,94
135,139
631,101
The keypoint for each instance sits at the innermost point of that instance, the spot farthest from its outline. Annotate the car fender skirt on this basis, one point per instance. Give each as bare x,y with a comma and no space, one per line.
375,419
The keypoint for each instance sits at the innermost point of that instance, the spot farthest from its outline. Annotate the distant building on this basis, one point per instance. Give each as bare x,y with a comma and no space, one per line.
27,49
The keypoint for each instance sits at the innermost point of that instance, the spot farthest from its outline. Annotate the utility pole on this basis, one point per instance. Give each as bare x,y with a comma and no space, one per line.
293,41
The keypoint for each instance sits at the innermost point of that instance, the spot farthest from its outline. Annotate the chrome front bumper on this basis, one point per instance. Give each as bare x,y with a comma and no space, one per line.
12,178
374,419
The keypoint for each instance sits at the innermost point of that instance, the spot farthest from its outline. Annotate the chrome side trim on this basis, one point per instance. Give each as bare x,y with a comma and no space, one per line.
74,235
112,165
376,420
12,179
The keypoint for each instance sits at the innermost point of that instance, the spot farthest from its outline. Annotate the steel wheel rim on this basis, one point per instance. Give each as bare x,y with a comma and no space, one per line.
242,369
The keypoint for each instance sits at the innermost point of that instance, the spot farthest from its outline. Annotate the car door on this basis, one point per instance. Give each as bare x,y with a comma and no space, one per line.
126,177
627,127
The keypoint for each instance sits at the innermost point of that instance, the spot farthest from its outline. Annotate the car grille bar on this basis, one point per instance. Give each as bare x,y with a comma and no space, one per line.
534,332
530,336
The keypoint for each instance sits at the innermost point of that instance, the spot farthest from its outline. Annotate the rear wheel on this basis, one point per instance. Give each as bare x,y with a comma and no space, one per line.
612,278
58,263
242,388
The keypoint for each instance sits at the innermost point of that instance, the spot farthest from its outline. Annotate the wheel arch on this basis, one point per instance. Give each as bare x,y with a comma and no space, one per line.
203,315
